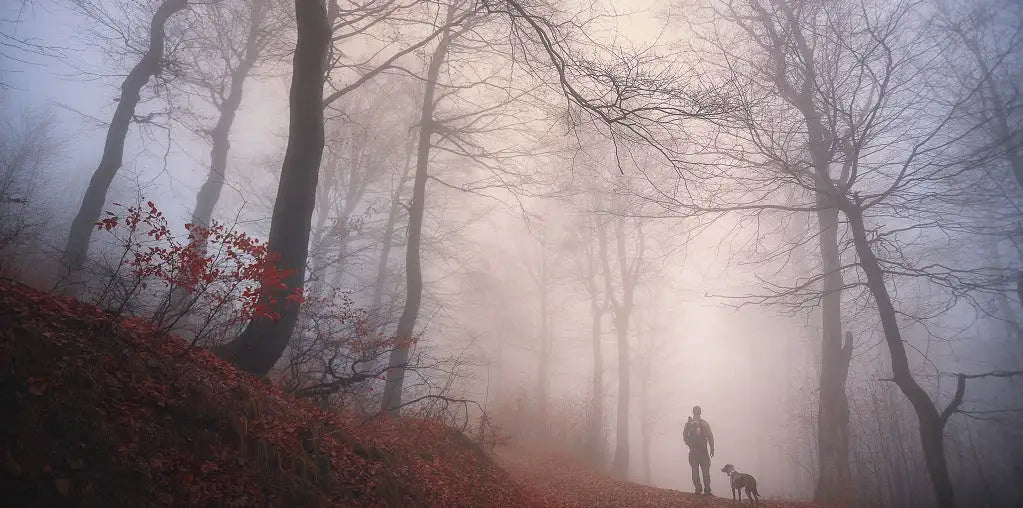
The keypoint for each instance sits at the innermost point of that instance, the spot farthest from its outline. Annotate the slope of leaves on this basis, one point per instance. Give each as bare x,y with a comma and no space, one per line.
558,480
101,411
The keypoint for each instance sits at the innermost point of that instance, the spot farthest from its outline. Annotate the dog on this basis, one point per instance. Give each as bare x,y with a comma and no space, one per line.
740,481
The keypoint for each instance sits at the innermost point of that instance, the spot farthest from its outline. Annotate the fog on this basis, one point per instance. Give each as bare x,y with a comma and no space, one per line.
665,171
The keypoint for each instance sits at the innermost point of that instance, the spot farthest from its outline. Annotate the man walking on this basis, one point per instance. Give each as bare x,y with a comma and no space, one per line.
697,435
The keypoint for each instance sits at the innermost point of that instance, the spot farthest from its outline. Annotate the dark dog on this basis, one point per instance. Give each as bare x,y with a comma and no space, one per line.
741,481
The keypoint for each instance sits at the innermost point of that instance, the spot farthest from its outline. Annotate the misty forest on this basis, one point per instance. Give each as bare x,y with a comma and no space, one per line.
493,252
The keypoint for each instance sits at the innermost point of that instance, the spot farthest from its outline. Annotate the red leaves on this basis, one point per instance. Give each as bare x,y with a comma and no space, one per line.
229,269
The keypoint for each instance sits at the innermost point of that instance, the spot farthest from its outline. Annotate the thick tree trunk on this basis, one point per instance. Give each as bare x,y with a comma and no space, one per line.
77,247
931,422
209,194
413,270
833,483
263,341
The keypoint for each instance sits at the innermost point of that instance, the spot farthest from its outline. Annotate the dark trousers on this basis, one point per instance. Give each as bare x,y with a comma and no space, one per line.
699,459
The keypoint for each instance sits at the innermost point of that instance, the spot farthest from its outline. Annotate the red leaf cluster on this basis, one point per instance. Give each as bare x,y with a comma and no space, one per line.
220,265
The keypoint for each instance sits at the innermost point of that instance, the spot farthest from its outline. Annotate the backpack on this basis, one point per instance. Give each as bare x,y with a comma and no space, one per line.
694,434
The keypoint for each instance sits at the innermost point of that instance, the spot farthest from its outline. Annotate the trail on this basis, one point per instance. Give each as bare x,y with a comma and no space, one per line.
560,481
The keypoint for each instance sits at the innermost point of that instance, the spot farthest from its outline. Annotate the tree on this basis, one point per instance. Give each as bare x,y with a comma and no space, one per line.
237,36
263,340
151,62
588,269
28,149
625,277
874,143
413,267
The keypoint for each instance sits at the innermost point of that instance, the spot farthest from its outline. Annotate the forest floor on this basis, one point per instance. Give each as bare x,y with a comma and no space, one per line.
561,481
102,411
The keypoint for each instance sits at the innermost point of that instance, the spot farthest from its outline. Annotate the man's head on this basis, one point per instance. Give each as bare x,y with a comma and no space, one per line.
696,411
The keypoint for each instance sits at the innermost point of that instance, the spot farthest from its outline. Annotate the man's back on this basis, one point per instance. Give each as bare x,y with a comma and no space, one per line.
698,435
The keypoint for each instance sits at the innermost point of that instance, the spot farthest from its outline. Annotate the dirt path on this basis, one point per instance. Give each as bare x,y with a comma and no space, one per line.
562,482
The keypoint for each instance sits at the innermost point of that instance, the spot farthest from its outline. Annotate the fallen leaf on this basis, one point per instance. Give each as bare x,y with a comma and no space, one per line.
63,486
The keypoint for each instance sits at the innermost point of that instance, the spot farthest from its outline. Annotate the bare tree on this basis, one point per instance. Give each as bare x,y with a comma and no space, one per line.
588,269
235,36
620,284
261,344
151,62
28,149
263,340
872,142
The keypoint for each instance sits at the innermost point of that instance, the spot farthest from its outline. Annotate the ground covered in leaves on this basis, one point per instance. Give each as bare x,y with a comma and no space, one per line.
100,411
561,481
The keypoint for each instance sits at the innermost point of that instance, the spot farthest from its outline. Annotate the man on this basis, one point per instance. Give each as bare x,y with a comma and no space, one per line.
697,435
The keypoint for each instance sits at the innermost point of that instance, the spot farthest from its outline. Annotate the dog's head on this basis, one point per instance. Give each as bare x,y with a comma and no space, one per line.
728,469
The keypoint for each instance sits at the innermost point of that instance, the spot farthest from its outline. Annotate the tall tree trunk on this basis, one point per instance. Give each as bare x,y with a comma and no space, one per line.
644,423
263,341
620,466
622,310
543,374
209,194
931,423
76,249
834,481
1008,315
413,269
318,255
597,407
388,240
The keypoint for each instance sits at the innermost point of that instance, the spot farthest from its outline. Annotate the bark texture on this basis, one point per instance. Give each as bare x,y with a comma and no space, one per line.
263,341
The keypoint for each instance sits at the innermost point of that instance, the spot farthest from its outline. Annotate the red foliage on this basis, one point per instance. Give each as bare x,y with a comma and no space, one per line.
220,265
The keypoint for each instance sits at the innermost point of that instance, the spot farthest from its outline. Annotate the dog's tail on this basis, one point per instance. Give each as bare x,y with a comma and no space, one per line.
753,489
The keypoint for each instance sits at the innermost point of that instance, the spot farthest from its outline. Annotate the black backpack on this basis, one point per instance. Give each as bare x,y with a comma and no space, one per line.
695,434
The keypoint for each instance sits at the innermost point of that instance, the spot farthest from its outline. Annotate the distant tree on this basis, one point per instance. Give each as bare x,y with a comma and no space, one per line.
28,150
232,38
620,282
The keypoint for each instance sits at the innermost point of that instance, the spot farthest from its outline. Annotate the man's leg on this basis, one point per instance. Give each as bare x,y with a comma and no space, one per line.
705,465
695,465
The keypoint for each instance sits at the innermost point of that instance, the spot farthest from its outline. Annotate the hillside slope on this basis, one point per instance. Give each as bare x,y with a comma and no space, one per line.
98,412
